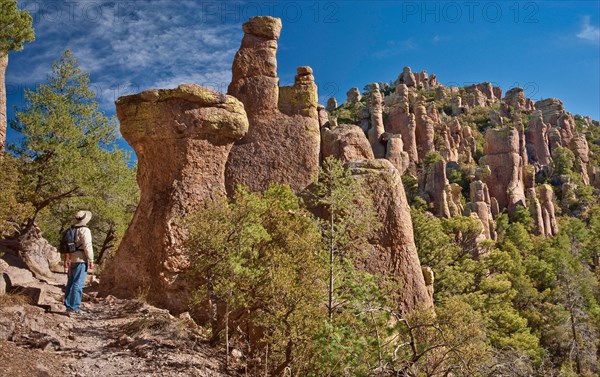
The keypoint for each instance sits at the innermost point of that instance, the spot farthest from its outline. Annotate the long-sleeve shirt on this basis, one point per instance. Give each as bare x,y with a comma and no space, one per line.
85,252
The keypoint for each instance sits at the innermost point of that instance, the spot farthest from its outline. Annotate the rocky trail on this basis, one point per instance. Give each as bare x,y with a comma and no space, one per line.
111,337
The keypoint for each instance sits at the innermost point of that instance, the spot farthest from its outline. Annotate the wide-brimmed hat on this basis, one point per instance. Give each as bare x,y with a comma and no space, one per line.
82,218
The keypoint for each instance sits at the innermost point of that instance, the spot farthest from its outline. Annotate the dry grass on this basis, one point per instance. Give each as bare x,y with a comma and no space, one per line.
13,299
161,327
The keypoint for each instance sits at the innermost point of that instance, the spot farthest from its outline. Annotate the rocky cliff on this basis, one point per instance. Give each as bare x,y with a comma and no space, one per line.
283,141
470,151
182,138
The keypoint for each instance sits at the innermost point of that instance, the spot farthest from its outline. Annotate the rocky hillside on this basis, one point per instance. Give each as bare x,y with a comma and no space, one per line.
473,151
468,151
112,337
486,195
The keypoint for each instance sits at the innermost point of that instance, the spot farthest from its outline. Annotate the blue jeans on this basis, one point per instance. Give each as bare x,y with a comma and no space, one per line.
75,284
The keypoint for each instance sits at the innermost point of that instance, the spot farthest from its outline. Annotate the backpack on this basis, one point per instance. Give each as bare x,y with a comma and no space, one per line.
68,244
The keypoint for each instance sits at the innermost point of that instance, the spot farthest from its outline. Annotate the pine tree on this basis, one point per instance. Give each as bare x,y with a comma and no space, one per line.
68,157
15,30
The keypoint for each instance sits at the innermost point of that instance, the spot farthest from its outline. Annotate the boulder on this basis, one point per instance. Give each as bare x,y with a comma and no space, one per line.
566,126
393,249
254,74
487,89
480,204
421,80
32,251
448,149
481,212
515,97
462,139
433,83
283,140
554,139
457,107
551,108
568,196
401,122
407,78
496,118
474,97
323,116
497,92
353,95
454,196
331,104
182,138
429,279
345,142
441,92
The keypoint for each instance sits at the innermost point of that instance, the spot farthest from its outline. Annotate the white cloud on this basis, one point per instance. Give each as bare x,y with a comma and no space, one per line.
588,31
393,48
129,46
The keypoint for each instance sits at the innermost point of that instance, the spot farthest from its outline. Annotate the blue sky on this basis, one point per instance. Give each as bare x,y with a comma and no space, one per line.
551,48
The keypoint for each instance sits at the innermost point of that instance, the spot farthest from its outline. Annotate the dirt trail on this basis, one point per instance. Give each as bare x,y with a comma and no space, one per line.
111,337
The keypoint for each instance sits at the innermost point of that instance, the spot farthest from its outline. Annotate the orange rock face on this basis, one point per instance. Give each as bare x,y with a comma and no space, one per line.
182,138
283,140
505,183
346,142
394,252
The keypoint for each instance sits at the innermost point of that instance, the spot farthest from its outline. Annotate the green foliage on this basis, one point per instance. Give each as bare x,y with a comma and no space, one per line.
68,160
562,161
523,216
479,117
352,338
15,27
260,255
13,211
349,112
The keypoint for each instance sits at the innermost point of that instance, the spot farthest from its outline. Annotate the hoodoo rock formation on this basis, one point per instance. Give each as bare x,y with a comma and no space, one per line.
395,153
331,104
354,95
505,183
424,131
194,144
433,185
394,252
551,109
580,148
182,138
283,141
376,129
536,137
481,202
346,142
548,216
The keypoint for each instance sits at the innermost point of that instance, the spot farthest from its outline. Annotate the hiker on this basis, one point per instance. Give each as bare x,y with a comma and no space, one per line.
78,262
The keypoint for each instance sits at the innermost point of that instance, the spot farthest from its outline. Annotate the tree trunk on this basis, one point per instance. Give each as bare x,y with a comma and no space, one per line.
331,268
3,65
